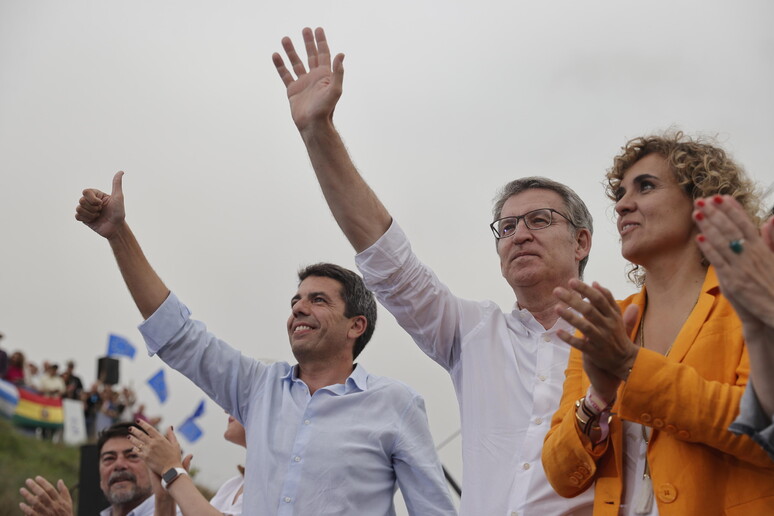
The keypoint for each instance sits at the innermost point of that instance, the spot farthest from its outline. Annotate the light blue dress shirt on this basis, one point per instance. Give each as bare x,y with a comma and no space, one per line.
753,421
337,452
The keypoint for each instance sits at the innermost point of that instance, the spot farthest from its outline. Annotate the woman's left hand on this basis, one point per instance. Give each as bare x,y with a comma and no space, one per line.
743,258
606,344
158,452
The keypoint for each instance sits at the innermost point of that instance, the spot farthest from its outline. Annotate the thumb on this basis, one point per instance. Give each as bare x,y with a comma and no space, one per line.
118,189
338,70
64,491
187,462
630,318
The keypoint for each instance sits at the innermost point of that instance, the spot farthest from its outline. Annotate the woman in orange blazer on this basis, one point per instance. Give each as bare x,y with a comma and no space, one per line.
654,381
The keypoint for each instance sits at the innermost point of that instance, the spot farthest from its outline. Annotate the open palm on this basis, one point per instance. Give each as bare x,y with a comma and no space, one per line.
313,94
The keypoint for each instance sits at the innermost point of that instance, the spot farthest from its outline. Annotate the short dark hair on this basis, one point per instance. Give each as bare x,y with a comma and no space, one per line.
116,430
577,212
358,300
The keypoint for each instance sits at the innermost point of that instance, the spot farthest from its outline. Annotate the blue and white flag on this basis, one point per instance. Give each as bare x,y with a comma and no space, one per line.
189,429
199,412
159,385
119,346
9,398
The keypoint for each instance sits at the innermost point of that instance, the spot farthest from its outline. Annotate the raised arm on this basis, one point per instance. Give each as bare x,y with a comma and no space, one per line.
105,214
313,96
161,454
746,276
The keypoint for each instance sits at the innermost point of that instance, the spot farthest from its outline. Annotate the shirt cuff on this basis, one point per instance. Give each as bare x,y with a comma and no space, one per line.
385,256
753,421
164,323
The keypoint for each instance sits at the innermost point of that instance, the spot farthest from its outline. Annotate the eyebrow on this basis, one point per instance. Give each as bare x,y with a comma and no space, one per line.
642,177
114,453
637,180
297,297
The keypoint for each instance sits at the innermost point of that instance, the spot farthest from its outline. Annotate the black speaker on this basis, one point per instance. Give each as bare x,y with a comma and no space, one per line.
91,500
107,370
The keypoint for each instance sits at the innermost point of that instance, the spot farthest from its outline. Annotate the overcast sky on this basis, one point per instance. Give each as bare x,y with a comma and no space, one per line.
443,103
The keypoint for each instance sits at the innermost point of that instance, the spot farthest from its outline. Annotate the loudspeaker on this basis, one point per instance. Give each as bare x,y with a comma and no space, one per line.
91,500
107,370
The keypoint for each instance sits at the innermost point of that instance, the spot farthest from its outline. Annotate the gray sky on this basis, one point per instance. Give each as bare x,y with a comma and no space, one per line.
443,103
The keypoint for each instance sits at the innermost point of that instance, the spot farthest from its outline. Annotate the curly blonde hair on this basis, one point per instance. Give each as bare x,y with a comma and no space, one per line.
700,168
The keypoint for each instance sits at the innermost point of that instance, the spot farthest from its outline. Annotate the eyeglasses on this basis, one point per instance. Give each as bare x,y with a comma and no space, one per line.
534,220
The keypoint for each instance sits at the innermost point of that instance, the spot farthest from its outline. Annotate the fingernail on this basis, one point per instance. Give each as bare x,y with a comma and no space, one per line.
700,203
701,238
698,215
718,199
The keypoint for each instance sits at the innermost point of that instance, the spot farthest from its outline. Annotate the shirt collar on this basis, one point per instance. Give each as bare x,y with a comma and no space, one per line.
532,324
145,508
357,381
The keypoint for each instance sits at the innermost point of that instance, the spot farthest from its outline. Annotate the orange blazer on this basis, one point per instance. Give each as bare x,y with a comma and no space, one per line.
689,399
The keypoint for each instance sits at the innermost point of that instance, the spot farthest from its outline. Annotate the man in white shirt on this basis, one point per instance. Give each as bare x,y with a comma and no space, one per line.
507,368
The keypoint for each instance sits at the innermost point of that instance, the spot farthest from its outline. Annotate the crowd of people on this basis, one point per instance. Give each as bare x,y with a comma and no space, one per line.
103,404
571,402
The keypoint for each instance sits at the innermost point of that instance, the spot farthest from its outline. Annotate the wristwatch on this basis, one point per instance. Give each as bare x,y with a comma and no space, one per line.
171,475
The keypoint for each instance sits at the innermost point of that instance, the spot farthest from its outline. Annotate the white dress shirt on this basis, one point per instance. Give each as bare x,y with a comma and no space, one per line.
507,371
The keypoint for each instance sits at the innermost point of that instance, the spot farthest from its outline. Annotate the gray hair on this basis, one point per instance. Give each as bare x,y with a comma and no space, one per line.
577,212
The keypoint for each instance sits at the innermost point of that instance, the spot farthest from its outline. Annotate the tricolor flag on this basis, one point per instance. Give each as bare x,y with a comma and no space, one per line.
38,411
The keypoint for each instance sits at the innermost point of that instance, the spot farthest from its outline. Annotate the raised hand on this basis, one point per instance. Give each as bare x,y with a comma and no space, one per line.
608,352
742,255
102,212
45,500
313,94
159,453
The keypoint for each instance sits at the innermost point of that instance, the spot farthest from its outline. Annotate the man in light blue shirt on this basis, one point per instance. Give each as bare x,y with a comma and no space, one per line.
324,437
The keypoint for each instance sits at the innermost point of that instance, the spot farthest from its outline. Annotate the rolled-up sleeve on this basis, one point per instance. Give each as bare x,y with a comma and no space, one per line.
754,422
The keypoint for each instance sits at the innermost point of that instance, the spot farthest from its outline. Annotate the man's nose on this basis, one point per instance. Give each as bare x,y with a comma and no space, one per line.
521,232
300,307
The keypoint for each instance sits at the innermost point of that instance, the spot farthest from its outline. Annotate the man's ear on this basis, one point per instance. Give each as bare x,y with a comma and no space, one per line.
358,325
583,244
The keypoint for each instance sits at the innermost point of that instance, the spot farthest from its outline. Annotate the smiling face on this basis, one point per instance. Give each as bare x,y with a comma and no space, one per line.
548,256
123,476
654,213
317,326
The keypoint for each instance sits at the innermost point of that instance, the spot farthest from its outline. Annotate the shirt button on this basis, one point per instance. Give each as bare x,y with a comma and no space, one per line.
306,422
514,513
541,378
538,420
525,466
297,458
546,338
287,499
